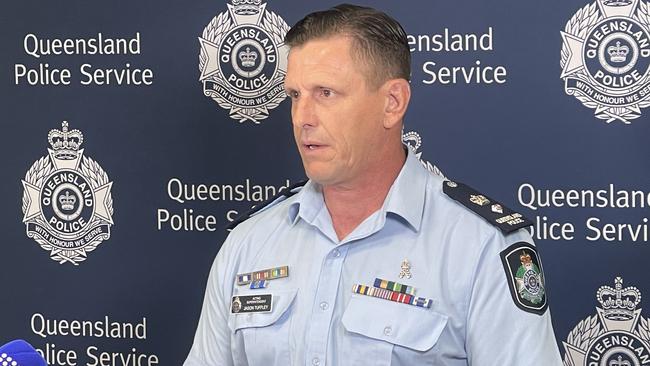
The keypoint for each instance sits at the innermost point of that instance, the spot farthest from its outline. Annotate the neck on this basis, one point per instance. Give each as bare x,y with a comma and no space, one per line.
351,203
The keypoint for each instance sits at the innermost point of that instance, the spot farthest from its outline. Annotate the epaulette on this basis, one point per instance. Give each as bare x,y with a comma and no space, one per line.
281,196
494,212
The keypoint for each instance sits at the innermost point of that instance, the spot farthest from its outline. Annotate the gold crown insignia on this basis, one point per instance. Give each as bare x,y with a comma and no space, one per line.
65,143
618,303
480,199
246,7
525,258
248,57
67,201
618,53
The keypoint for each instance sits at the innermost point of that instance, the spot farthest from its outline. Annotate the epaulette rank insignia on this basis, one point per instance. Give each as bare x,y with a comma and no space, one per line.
281,196
495,213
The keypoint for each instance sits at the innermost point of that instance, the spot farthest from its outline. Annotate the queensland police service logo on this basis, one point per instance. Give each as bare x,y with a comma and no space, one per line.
524,272
605,58
529,279
616,336
413,140
67,203
243,60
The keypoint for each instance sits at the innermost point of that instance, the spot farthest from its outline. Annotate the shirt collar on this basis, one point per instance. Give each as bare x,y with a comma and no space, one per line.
405,197
308,203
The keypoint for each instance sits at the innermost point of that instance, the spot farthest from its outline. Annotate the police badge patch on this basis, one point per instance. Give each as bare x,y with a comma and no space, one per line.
525,277
616,336
243,60
605,58
67,203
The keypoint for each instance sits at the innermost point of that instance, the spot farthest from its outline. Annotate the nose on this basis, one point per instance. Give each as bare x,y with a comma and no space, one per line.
302,112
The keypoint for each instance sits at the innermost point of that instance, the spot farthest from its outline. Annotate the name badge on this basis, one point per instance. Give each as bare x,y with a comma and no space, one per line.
251,304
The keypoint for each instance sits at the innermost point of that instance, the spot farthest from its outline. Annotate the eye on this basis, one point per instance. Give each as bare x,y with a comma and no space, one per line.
293,94
326,92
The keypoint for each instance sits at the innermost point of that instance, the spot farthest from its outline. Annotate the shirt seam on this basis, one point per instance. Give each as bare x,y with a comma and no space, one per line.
481,254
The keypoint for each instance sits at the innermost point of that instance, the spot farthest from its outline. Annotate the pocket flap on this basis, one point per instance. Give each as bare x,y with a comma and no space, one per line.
401,324
281,300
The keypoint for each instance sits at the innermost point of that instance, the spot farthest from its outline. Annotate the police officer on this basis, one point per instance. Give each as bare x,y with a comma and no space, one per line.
375,261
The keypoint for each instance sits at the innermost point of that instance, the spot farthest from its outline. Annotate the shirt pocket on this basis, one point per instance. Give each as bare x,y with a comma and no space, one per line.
381,328
264,336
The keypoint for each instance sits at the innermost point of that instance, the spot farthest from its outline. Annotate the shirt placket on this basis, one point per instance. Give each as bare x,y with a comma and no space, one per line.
323,306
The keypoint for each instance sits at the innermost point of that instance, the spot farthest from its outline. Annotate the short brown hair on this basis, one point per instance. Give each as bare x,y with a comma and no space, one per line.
378,40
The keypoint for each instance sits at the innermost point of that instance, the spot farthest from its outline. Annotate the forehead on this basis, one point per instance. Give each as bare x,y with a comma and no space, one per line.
328,58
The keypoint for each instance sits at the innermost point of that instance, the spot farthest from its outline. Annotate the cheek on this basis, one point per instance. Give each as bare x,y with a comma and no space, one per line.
296,136
350,144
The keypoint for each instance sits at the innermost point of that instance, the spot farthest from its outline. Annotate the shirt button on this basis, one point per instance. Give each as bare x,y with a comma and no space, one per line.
315,361
324,305
388,330
336,253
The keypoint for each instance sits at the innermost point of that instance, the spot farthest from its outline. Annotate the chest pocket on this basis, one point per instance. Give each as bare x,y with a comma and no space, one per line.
380,328
264,336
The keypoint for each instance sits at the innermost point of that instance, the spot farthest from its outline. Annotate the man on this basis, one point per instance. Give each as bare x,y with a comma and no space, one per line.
375,261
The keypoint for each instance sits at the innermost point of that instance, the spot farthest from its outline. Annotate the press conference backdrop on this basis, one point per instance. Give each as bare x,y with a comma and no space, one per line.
134,132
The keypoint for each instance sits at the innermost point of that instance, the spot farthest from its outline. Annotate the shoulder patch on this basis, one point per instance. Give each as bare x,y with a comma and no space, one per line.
494,212
525,277
281,196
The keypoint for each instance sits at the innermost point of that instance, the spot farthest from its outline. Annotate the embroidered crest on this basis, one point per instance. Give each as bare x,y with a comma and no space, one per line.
525,277
529,279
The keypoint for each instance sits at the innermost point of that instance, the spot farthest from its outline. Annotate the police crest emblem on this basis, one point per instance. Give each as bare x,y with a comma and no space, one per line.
243,60
616,336
529,279
605,58
236,305
525,277
67,203
413,140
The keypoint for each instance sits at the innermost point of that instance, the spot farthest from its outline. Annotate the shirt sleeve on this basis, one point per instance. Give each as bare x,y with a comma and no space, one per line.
499,332
211,345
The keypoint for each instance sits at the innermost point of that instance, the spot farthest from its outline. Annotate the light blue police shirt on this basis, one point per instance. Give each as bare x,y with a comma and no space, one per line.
317,320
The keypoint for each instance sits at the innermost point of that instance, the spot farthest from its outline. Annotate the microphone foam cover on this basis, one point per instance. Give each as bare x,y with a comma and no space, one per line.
20,353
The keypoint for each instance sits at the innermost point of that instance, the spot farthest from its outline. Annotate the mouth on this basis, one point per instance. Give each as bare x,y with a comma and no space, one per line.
312,147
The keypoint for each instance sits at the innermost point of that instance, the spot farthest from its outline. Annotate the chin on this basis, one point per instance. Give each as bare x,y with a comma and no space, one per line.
324,173
316,178
319,177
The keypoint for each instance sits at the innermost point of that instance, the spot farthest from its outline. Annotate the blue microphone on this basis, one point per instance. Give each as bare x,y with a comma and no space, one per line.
20,353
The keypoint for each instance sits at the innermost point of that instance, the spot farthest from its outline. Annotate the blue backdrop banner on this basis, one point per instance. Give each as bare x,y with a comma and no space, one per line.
136,131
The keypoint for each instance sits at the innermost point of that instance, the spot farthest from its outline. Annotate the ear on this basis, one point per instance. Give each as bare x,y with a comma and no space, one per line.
398,94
